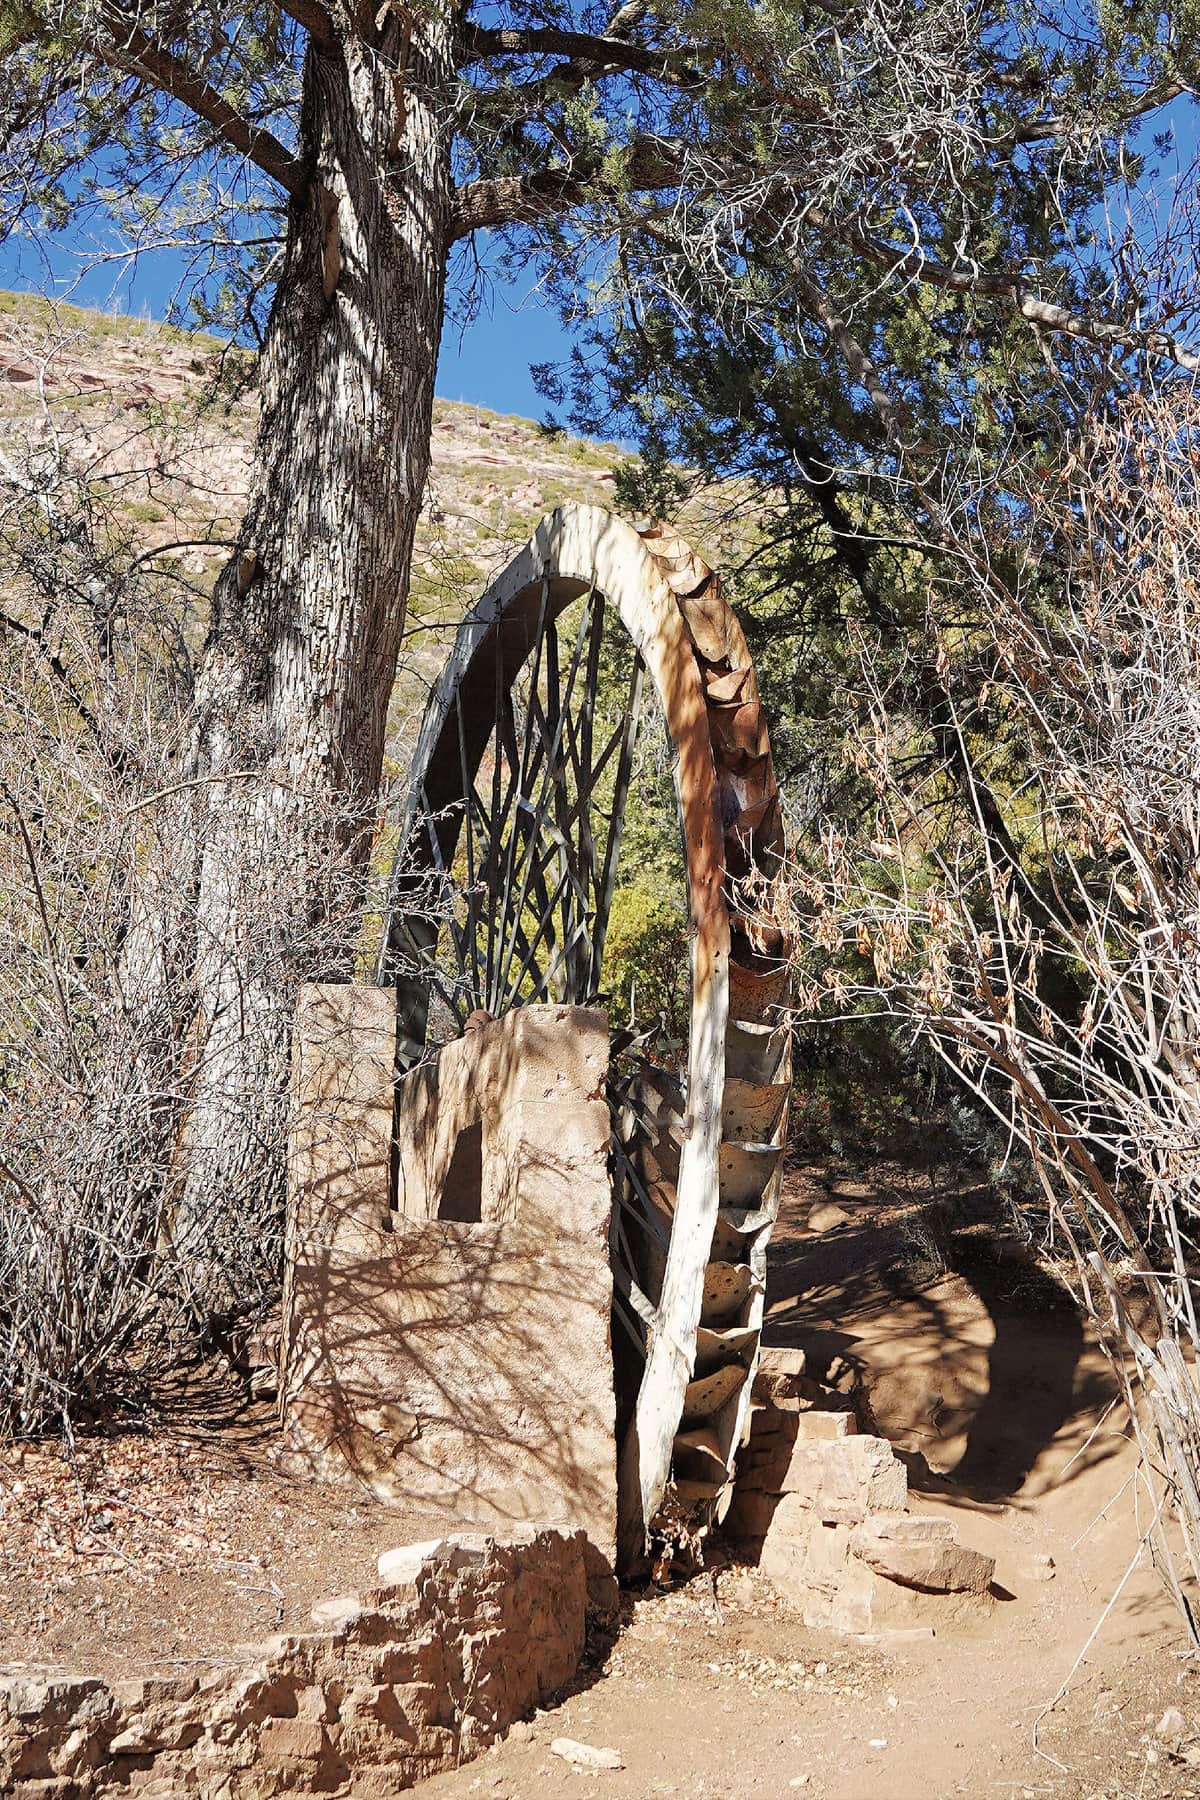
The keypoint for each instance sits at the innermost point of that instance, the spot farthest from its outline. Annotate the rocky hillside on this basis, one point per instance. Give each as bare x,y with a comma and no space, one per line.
159,424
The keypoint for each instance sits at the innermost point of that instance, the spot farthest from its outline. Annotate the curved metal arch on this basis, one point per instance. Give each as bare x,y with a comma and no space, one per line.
672,608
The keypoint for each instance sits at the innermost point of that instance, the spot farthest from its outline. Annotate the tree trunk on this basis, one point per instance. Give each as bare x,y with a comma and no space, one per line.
300,659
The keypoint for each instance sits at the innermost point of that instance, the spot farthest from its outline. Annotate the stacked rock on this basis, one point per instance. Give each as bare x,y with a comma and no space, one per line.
822,1508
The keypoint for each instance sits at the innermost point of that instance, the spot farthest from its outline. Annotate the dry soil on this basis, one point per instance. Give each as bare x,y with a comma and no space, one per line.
132,1552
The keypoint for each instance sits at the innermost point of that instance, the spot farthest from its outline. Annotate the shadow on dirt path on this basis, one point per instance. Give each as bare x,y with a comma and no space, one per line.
958,1345
973,1361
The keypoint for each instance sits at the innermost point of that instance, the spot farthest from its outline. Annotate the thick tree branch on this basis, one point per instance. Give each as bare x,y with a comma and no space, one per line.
140,55
1040,131
627,16
855,355
525,100
514,200
315,20
596,58
648,164
483,43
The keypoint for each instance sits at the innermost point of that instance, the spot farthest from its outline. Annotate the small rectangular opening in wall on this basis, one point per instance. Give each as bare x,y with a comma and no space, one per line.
462,1192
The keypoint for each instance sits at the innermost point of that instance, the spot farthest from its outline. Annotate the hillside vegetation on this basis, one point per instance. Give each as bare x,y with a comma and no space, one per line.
162,423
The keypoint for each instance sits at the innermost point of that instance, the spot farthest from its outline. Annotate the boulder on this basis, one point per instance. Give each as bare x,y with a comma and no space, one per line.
805,1561
342,1609
846,1481
826,1215
922,1553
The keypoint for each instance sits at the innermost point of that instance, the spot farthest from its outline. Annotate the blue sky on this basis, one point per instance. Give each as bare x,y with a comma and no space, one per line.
487,363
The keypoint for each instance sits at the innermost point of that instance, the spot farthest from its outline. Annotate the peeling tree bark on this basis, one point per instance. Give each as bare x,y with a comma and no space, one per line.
307,618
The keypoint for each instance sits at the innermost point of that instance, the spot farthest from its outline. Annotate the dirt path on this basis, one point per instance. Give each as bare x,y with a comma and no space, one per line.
169,1549
148,1551
713,1702
970,1358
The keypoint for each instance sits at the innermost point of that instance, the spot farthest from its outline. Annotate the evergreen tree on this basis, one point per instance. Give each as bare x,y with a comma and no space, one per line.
779,167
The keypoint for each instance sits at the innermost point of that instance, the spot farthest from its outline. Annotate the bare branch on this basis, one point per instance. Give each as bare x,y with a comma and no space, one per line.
140,55
914,264
1089,676
648,164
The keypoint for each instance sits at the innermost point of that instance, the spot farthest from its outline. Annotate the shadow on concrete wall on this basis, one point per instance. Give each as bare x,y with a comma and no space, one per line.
460,1358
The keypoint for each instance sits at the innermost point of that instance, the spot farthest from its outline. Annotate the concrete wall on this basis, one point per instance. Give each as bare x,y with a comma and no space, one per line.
456,1350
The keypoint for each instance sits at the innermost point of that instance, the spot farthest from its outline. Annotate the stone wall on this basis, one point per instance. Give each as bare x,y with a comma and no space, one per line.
822,1508
454,1350
462,1638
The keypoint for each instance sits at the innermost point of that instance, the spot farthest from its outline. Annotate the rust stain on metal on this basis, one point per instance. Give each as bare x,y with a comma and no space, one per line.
752,839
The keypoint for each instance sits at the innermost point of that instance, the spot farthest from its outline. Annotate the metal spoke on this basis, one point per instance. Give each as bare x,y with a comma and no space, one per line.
586,779
525,918
447,888
643,1213
521,787
541,935
554,724
608,878
536,814
472,894
561,959
502,709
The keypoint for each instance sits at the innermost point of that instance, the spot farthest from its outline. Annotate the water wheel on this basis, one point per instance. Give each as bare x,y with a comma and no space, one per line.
523,786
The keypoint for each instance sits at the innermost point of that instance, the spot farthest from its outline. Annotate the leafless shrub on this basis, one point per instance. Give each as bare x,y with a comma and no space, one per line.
1044,931
103,1033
